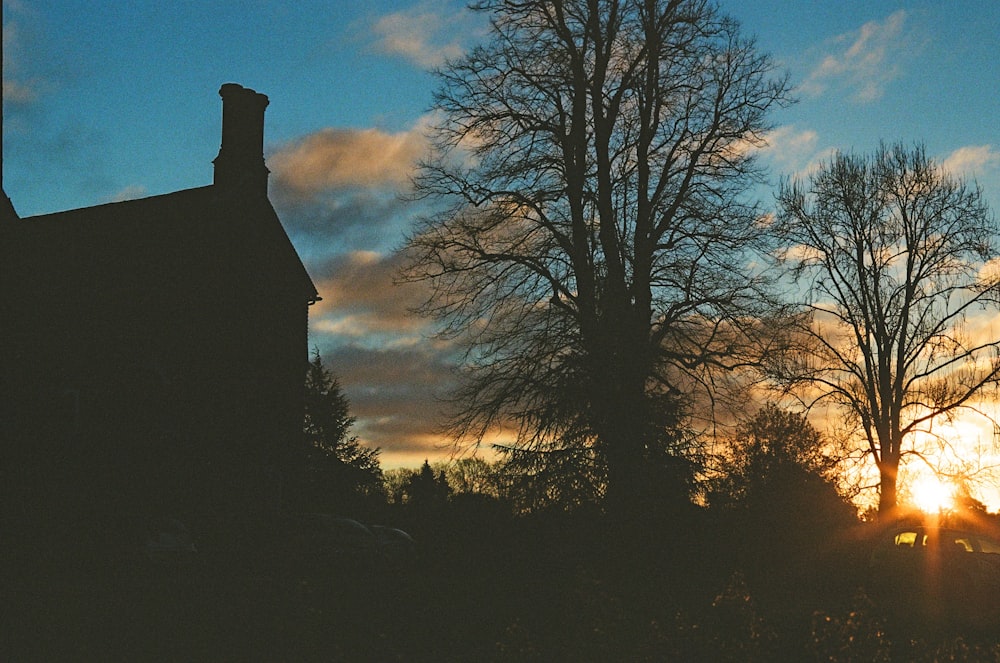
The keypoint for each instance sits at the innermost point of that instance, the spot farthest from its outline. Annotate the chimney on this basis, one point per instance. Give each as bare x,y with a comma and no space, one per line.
240,163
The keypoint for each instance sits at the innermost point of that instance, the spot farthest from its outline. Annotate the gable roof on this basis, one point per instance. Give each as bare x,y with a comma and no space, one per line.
209,236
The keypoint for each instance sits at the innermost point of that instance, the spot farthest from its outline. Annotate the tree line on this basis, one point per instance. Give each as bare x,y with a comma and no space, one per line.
597,248
776,460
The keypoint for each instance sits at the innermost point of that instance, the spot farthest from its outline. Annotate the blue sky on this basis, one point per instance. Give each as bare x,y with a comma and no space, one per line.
120,101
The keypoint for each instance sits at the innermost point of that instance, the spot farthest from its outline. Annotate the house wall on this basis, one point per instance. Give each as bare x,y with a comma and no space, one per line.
153,395
153,352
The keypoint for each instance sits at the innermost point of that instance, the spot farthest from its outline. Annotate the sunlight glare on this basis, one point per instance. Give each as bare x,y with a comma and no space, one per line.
931,495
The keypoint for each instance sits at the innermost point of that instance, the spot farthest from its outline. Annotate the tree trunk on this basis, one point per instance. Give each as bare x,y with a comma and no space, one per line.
623,432
887,500
624,457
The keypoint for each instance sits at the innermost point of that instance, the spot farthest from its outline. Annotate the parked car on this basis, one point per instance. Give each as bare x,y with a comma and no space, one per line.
324,538
938,572
394,545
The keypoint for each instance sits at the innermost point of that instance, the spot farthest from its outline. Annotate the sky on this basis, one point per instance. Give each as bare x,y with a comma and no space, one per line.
119,100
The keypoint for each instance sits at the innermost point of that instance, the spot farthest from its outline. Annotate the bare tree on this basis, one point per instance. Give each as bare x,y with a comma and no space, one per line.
893,259
592,248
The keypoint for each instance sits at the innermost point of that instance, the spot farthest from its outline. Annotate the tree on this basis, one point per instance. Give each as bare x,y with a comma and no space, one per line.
893,256
426,490
561,479
424,487
590,251
777,493
776,460
336,463
395,482
474,476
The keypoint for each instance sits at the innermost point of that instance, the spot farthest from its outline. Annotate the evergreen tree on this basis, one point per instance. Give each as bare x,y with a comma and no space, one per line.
337,466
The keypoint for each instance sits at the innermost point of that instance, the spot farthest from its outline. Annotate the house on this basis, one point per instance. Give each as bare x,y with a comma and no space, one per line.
153,351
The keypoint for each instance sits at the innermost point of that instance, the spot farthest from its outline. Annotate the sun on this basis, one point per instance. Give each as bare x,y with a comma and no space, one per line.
931,495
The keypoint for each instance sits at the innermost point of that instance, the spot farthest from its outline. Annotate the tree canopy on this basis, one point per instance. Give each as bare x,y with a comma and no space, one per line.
592,252
895,258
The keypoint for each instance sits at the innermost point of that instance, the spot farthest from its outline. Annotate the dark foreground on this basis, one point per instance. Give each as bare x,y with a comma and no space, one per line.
545,589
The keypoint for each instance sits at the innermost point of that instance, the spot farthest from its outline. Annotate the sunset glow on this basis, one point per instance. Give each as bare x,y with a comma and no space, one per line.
932,495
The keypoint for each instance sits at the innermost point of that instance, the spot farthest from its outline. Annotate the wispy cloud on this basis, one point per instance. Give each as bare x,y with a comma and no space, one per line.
338,194
130,192
392,371
394,395
863,62
380,308
424,35
789,144
794,151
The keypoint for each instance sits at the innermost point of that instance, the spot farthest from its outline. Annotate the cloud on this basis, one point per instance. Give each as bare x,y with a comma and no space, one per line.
395,395
17,92
343,189
421,35
789,145
362,301
131,192
393,373
864,61
971,159
16,89
336,158
344,220
338,195
794,151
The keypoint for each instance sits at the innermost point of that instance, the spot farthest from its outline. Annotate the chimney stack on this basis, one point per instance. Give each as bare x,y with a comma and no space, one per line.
240,163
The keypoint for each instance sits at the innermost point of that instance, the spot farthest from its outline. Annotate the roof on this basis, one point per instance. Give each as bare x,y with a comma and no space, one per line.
209,235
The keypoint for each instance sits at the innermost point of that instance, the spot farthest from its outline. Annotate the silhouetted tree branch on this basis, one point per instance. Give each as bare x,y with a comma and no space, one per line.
592,253
894,258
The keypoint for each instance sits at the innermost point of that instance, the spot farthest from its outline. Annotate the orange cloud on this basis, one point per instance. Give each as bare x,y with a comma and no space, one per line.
361,299
335,158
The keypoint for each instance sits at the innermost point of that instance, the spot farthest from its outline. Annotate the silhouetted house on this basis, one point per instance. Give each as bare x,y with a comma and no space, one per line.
153,351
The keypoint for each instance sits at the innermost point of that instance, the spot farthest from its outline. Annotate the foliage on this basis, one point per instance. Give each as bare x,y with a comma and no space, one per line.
427,489
427,486
773,456
734,627
777,491
592,247
858,636
394,483
474,476
561,479
893,258
335,465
